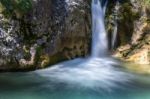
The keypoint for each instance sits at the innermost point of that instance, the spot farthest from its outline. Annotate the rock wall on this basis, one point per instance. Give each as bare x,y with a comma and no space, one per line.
133,35
52,31
57,30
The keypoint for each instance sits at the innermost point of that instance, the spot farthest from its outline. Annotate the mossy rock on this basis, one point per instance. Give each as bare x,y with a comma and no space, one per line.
15,7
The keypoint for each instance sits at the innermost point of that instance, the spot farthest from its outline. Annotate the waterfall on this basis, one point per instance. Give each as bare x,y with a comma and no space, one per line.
99,38
114,35
97,71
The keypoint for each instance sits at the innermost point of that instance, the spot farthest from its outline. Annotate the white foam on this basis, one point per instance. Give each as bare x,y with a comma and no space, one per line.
90,73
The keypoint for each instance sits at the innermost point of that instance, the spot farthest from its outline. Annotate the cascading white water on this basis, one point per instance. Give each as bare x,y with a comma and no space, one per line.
96,71
95,77
99,38
114,35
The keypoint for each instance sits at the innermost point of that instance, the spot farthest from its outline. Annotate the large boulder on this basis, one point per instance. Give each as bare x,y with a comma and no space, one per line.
52,31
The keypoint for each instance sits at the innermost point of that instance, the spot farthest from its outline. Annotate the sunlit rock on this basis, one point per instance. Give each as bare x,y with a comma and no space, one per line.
59,28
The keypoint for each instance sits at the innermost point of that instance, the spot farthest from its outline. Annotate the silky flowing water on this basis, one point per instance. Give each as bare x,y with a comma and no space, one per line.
96,77
65,81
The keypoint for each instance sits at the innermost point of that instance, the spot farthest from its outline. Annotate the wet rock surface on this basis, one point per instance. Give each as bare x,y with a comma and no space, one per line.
52,31
132,39
57,30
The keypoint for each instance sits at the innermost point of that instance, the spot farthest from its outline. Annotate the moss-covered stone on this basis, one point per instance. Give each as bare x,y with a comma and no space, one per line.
133,32
43,32
16,8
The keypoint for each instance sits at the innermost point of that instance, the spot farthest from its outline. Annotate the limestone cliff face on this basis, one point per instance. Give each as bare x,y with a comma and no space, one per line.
56,30
52,31
133,35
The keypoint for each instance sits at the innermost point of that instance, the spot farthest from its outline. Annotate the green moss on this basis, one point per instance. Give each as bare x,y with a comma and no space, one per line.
39,50
57,58
145,2
29,37
127,18
127,13
16,7
1,8
148,20
43,60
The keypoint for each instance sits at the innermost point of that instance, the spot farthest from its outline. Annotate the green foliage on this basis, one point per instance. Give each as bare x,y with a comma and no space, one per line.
15,7
145,2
